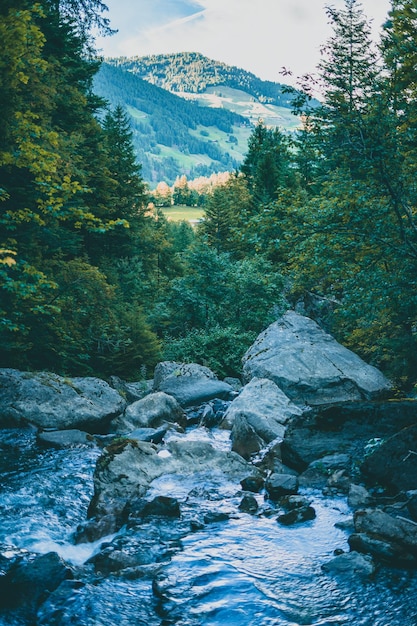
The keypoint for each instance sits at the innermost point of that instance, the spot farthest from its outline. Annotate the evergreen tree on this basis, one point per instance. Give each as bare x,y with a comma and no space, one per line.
55,189
348,77
267,165
123,190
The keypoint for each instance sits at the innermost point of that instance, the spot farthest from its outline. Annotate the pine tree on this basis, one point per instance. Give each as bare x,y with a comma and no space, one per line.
267,165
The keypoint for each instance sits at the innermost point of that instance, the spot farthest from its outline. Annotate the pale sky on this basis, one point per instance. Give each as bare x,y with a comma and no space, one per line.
260,36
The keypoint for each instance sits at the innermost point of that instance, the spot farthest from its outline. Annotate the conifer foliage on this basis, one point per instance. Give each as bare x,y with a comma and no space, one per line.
71,196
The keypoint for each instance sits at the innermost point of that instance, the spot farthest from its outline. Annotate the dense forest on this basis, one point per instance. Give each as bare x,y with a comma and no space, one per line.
161,119
92,282
193,72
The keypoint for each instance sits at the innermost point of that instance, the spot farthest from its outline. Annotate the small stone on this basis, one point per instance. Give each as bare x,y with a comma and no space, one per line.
303,514
215,516
252,483
358,497
278,485
248,504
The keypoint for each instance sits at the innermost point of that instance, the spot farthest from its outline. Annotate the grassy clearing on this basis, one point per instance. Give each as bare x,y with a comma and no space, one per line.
179,213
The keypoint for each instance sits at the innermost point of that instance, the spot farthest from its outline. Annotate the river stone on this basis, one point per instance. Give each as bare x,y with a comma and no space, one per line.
152,411
358,497
343,428
379,549
248,504
189,383
310,366
297,515
62,439
394,462
131,391
350,563
258,416
126,469
278,485
399,532
51,401
28,581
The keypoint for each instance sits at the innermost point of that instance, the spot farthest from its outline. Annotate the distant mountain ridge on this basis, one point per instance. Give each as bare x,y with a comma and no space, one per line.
193,72
205,130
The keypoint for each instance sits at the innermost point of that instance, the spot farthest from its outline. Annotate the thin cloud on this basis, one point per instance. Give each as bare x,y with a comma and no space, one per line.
260,36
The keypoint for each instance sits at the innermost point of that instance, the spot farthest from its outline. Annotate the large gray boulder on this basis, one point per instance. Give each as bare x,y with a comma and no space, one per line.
126,469
51,401
152,411
258,416
189,383
310,366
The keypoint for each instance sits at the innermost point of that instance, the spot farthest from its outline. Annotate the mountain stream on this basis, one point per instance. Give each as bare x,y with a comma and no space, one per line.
245,570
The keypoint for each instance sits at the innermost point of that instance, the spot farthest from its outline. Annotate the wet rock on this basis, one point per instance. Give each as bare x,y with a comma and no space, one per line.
394,463
270,460
151,542
253,483
278,485
347,524
297,515
152,435
131,391
235,383
258,416
211,414
196,525
322,472
51,401
347,428
162,506
378,548
153,411
94,529
294,502
298,509
54,612
110,560
310,366
61,439
213,517
338,483
189,383
248,504
27,583
358,497
350,563
412,504
397,534
126,469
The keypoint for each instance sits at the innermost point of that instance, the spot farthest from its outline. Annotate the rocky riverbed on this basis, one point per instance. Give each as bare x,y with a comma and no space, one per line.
290,498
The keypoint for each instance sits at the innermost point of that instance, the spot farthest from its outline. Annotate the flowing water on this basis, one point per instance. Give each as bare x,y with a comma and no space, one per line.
244,571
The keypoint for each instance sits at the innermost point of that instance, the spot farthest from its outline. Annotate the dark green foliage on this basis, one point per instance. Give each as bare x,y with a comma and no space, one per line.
267,165
220,348
214,312
351,241
72,202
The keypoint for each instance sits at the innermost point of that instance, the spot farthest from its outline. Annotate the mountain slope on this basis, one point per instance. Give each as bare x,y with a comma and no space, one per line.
203,131
193,72
171,135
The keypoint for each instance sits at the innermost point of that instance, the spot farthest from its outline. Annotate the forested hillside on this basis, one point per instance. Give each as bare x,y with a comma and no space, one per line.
172,136
193,72
93,282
